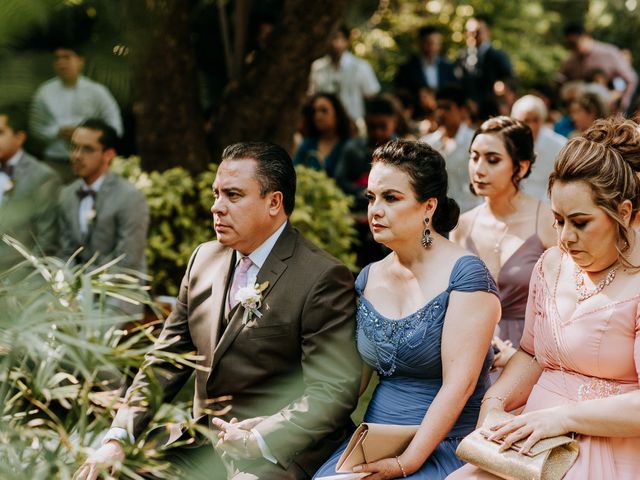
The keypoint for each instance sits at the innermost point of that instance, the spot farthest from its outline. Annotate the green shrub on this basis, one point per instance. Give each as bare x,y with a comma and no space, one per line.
62,354
180,203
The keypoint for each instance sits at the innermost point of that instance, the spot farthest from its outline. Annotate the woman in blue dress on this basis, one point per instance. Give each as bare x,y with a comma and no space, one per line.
426,315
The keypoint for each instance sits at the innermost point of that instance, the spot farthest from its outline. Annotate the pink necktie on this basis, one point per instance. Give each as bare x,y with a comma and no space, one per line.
239,280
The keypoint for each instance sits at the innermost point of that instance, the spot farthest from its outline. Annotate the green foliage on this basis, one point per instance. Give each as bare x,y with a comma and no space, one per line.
62,354
180,204
530,32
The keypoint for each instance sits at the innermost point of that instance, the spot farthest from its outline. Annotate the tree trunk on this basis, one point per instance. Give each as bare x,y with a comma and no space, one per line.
265,103
169,120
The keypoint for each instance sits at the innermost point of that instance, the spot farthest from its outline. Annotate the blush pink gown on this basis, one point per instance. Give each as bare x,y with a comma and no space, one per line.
599,350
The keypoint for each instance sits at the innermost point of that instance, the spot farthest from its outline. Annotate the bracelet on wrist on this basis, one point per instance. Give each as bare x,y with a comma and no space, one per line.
494,397
404,474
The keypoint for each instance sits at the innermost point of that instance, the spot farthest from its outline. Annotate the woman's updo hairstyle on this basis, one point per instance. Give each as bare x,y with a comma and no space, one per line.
427,174
607,158
517,139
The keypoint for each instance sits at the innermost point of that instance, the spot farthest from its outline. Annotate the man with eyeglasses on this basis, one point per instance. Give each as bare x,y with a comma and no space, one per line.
101,212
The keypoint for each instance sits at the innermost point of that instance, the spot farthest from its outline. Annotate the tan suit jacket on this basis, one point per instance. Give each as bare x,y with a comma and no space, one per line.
297,364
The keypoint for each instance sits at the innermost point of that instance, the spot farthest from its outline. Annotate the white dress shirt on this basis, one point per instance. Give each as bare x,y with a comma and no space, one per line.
56,105
6,183
86,212
430,71
352,80
547,146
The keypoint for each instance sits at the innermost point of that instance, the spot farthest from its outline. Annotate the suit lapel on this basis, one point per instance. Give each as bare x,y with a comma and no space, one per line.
271,271
74,212
100,203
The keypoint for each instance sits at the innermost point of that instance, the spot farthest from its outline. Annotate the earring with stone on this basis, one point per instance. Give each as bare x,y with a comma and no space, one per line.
427,239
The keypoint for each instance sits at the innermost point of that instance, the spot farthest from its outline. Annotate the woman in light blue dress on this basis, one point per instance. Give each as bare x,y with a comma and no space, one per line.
426,315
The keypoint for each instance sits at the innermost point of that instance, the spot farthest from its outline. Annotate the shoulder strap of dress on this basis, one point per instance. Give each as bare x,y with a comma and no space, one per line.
361,281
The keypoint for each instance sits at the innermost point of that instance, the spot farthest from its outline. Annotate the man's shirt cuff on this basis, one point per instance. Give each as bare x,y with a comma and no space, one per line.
264,449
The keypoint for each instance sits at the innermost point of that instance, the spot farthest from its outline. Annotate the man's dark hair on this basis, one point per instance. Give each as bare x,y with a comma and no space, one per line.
344,30
274,172
427,30
108,136
16,117
573,28
75,48
379,105
453,93
484,18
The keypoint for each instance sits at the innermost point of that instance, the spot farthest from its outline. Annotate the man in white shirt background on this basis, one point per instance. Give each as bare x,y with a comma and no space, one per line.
342,73
64,102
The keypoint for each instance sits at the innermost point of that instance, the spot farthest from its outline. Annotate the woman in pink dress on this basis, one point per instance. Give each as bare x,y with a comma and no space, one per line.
577,367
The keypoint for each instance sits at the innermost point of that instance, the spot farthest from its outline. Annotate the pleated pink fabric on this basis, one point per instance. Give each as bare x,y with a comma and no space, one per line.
599,350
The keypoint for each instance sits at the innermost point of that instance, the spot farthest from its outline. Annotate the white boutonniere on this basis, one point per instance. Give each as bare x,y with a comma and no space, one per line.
9,186
250,298
90,215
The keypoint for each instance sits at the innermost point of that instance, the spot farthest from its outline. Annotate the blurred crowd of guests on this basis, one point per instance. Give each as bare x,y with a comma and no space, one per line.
68,203
69,199
442,101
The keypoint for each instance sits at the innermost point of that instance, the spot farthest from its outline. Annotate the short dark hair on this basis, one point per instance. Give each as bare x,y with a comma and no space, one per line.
427,30
16,117
484,18
573,28
67,46
428,176
108,136
344,30
453,93
380,105
517,139
274,172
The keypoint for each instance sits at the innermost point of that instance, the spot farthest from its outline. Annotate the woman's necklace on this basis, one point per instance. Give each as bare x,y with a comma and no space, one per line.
497,248
583,291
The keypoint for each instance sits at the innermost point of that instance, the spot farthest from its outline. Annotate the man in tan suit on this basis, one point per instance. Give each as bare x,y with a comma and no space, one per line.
290,364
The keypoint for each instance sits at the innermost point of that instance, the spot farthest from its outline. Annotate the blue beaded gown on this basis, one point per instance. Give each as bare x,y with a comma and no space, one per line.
406,355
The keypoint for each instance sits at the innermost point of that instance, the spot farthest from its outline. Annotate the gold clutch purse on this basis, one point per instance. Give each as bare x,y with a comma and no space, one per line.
374,441
549,459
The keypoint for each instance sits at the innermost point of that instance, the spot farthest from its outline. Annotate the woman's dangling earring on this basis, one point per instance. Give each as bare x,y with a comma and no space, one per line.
427,239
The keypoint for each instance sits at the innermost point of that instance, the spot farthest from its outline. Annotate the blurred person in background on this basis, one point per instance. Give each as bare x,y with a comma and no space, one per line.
352,170
28,192
427,68
63,103
328,127
452,140
532,111
350,78
511,229
588,55
568,93
585,110
480,65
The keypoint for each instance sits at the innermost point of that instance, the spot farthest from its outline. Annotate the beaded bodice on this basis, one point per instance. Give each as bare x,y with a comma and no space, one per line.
410,346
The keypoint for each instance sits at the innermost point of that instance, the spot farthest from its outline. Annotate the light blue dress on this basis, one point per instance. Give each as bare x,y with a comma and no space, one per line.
406,355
